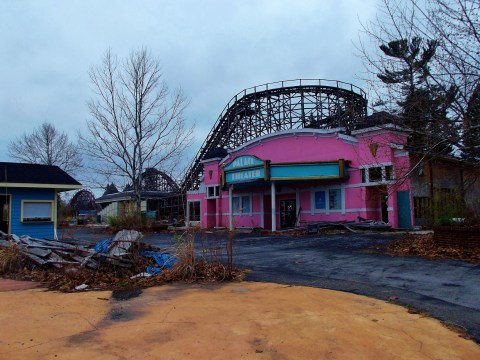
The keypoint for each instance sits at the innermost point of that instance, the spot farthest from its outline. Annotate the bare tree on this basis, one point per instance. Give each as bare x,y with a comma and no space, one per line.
46,145
456,24
454,27
137,122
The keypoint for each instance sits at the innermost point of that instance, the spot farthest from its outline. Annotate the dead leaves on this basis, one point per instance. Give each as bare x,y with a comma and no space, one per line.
424,246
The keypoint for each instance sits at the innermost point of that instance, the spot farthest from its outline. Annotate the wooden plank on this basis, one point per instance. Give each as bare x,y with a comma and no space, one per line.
57,259
74,242
34,246
118,261
37,260
52,243
85,261
6,243
37,252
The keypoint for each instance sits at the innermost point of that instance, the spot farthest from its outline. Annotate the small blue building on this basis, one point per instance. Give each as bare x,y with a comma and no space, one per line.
28,198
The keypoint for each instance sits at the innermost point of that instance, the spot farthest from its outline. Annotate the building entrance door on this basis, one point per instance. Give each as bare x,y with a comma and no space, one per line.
5,213
288,213
404,210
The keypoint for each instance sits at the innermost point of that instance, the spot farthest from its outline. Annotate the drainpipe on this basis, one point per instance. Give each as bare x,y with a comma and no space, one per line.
432,192
55,215
274,215
230,204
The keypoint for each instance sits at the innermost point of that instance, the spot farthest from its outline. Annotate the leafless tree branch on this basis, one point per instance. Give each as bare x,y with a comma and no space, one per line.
46,145
137,123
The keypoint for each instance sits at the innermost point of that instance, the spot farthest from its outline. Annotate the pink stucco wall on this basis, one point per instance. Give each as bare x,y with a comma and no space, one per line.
374,147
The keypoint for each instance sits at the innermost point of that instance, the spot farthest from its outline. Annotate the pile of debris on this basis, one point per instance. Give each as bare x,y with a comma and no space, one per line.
121,251
119,263
351,226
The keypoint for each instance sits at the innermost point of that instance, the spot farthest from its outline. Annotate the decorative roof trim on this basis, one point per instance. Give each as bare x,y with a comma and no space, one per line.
39,186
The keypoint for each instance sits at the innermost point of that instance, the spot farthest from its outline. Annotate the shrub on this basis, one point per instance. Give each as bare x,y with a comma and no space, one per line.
10,259
129,221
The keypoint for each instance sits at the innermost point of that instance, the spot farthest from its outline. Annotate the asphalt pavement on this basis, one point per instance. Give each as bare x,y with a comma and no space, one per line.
448,290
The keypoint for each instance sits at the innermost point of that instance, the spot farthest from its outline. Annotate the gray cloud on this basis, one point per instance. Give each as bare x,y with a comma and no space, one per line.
212,49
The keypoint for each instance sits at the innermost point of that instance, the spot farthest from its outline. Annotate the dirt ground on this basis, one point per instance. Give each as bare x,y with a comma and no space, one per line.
231,321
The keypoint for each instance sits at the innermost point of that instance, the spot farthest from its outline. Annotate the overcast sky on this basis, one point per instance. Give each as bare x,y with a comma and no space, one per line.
212,49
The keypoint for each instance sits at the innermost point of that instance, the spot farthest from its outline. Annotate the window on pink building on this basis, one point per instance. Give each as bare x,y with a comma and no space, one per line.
389,172
375,174
335,199
320,203
194,210
213,191
241,204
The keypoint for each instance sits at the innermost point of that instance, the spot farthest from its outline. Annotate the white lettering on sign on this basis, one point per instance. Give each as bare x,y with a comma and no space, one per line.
246,175
243,162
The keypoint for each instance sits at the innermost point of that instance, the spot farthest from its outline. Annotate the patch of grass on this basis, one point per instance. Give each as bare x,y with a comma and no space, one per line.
10,259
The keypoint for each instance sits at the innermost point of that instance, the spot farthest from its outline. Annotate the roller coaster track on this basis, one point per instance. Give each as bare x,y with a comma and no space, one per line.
283,105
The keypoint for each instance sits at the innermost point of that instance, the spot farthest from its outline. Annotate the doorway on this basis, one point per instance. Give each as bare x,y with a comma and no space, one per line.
288,213
5,213
404,210
384,196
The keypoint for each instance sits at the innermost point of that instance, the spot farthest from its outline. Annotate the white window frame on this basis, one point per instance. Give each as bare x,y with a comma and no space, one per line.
240,196
382,166
327,209
339,201
216,191
51,215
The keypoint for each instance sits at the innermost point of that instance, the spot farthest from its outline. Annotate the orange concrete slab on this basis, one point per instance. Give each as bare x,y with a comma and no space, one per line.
230,321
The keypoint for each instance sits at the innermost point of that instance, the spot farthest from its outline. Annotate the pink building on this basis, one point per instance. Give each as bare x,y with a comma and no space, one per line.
295,177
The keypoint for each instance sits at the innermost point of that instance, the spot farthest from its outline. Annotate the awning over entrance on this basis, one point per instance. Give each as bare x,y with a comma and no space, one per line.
248,168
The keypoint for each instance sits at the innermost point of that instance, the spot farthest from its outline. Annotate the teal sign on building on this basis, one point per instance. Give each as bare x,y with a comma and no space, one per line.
306,171
245,175
250,168
243,162
245,168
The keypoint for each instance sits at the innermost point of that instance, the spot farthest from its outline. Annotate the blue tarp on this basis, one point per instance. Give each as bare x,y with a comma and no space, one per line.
163,260
102,246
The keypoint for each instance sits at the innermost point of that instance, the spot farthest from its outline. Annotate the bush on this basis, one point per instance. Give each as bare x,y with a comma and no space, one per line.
206,265
129,221
10,259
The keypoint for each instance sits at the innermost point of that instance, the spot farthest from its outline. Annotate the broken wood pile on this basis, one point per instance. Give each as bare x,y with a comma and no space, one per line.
44,253
352,226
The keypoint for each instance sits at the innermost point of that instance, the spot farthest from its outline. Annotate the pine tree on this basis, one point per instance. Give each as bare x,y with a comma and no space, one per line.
424,106
471,127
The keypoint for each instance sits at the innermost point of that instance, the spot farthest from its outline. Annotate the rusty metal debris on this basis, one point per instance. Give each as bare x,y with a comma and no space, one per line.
58,254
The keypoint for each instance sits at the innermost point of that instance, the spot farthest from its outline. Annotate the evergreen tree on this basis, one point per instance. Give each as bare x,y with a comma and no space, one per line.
424,106
471,127
411,66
